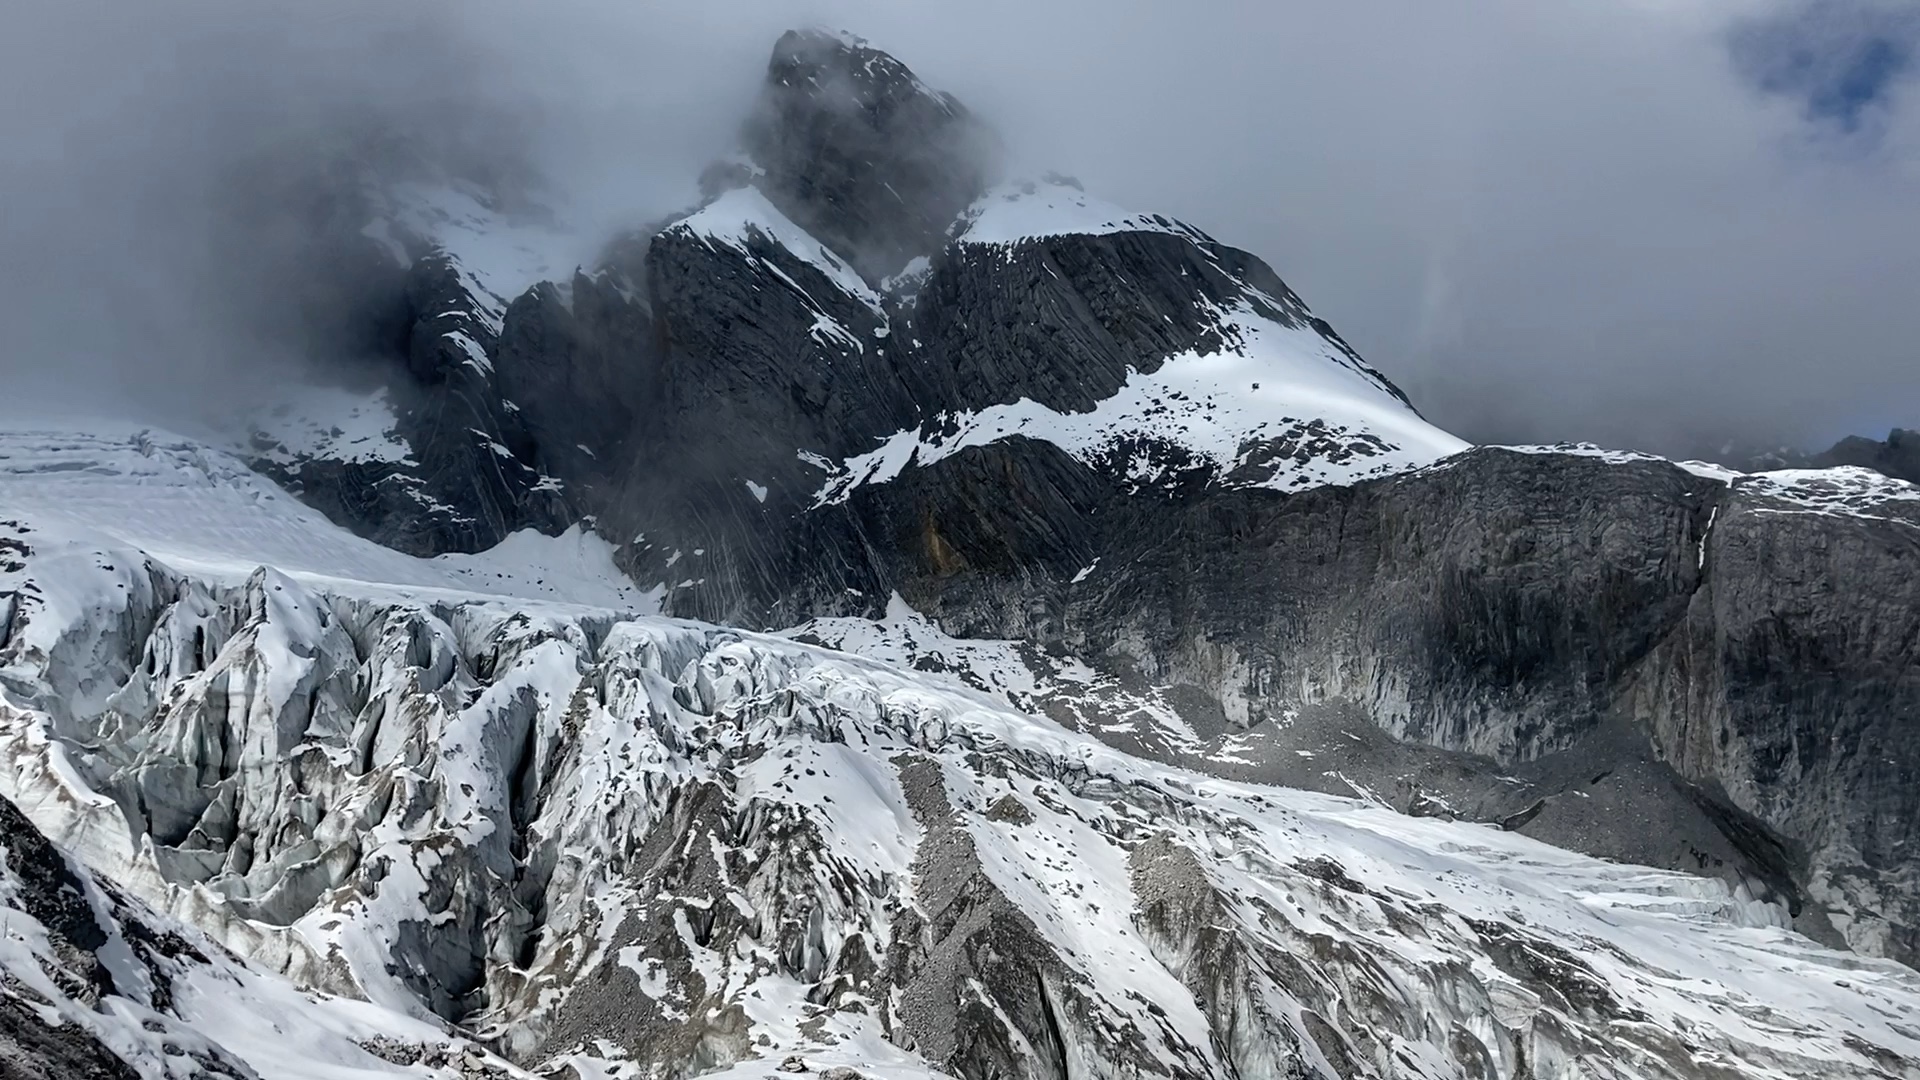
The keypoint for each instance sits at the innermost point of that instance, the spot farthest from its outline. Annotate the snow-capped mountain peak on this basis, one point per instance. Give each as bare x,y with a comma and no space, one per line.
885,625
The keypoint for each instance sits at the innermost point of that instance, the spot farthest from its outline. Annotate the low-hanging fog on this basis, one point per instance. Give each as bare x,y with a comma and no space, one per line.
1658,223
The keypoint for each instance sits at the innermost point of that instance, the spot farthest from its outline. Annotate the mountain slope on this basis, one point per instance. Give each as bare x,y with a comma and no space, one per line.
1041,418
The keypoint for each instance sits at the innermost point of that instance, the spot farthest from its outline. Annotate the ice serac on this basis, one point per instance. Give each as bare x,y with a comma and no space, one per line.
595,843
850,144
95,984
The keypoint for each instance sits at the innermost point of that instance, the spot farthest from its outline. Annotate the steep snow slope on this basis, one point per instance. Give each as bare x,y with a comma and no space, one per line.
631,846
499,255
1265,396
737,216
1032,210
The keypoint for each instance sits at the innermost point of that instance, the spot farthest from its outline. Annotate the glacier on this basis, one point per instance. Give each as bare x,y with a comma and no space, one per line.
490,808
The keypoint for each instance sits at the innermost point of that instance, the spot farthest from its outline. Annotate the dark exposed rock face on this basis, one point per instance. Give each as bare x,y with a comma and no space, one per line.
45,1035
860,152
31,1050
53,895
577,362
745,380
1064,319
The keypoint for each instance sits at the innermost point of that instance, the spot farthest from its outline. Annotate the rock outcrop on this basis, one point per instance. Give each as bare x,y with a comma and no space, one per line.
1517,606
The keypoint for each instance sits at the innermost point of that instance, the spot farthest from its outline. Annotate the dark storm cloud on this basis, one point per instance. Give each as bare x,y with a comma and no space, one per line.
1661,223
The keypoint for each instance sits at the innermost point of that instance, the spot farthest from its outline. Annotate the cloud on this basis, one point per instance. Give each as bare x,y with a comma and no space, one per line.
1661,223
1842,59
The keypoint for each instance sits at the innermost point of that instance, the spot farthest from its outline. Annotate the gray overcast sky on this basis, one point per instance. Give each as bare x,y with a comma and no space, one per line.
1643,222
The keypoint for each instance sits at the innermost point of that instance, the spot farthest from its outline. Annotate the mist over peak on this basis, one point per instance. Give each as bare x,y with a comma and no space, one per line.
1535,246
857,149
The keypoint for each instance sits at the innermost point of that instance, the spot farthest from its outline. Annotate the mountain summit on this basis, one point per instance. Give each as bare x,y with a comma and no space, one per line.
853,147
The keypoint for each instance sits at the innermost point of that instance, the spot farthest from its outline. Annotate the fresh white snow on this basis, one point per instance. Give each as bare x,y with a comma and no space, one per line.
330,423
499,255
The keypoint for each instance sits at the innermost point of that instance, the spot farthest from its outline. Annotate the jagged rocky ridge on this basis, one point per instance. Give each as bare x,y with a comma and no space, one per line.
623,845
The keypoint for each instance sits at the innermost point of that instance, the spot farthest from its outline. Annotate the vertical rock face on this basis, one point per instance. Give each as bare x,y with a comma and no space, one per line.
578,360
774,355
457,468
1790,681
859,152
1049,294
1520,606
